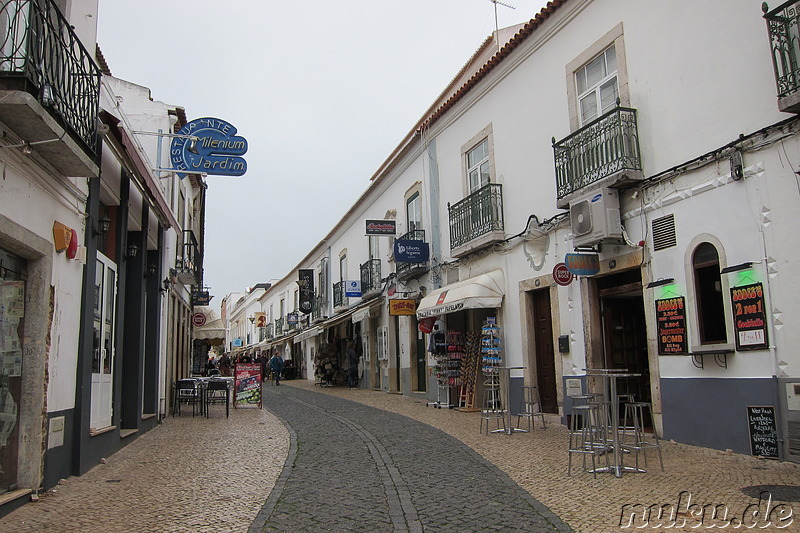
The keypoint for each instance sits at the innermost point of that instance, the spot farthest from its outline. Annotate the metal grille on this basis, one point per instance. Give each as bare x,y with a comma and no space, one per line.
783,25
603,147
39,45
478,214
370,275
664,232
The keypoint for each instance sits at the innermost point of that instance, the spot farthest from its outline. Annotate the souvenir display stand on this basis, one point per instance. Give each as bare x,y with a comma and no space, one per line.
491,361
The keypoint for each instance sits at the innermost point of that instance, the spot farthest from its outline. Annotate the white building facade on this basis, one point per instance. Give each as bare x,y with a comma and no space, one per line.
661,176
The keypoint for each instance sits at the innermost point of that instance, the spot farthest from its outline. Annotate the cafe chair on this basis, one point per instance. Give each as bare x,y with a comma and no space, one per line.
531,407
186,391
586,435
637,440
217,392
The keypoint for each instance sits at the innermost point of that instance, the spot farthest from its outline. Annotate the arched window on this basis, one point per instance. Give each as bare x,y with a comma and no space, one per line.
708,295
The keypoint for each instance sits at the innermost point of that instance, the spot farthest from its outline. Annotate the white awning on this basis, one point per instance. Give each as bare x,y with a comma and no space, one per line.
211,330
306,334
481,292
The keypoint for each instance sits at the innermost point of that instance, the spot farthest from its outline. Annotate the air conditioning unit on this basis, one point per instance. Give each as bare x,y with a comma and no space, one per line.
595,218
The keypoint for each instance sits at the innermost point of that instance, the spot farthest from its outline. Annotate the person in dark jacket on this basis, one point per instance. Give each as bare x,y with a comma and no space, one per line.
352,365
276,365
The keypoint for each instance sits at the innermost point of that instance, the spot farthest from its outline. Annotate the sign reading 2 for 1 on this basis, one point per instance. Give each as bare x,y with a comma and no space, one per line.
215,151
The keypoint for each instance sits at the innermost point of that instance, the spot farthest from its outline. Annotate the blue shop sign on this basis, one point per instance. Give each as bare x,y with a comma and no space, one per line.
408,251
353,289
216,151
583,264
237,342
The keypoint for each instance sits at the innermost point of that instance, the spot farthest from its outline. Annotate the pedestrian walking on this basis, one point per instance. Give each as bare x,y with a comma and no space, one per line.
276,365
262,360
225,365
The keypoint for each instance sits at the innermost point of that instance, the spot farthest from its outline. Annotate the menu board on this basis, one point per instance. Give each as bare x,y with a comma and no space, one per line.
749,317
763,431
247,384
671,326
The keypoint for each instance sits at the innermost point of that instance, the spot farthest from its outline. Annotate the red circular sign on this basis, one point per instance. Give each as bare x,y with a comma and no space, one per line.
198,319
562,275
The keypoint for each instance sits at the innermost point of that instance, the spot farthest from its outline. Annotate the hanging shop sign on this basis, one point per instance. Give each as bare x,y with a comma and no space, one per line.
237,343
291,319
408,251
201,298
216,150
381,227
583,264
353,288
261,319
305,279
198,319
402,307
749,317
671,326
562,275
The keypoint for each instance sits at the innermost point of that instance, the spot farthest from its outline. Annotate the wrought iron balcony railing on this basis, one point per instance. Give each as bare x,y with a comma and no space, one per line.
783,25
318,308
405,268
279,326
41,54
187,262
478,214
606,146
339,299
268,332
370,276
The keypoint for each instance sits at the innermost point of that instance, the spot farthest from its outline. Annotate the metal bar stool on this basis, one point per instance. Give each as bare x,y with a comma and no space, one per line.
584,435
636,411
531,407
492,409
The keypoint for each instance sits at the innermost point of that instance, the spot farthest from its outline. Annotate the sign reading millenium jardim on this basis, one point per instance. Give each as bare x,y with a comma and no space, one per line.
215,152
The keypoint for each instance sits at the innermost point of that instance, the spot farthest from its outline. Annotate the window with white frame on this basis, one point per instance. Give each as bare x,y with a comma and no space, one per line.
597,85
414,212
373,247
478,166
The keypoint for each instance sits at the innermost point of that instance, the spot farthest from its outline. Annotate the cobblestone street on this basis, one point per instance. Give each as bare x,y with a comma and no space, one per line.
353,468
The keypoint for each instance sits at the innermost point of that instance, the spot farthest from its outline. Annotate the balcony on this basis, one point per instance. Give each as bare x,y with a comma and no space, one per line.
187,264
279,326
318,308
409,270
370,278
268,331
477,221
604,153
783,26
339,299
49,86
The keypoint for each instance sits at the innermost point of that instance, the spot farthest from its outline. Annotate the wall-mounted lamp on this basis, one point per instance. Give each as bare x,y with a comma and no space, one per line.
660,282
151,270
166,284
47,95
102,226
736,268
133,251
252,319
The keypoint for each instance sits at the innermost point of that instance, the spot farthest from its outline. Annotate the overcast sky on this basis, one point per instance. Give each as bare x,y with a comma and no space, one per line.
322,90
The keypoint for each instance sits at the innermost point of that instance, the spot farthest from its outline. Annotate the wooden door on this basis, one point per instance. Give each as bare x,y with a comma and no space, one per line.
543,351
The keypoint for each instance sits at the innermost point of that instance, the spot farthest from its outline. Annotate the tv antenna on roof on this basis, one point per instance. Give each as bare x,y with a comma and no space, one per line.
496,28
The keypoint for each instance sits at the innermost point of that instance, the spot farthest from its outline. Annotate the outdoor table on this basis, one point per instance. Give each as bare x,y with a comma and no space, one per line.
610,376
505,376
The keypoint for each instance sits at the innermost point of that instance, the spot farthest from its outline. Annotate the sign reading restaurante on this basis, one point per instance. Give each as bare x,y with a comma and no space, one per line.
215,151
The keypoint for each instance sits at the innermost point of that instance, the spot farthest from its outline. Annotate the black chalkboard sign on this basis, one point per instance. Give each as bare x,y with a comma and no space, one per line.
763,431
671,324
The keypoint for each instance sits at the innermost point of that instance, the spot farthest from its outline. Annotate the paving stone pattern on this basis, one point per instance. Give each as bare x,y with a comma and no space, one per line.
361,469
237,474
